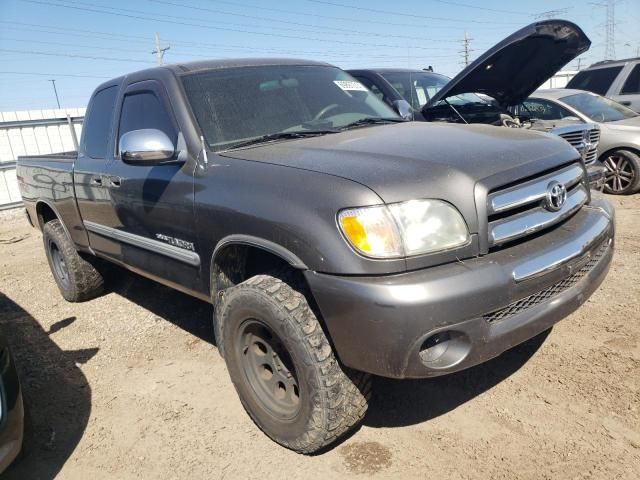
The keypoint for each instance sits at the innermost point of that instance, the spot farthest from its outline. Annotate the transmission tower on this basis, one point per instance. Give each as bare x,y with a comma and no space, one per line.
610,44
466,43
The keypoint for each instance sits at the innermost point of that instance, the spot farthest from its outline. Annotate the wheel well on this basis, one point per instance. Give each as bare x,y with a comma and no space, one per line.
45,213
615,149
237,263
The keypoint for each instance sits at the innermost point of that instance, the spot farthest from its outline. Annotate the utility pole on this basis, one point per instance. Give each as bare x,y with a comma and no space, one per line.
53,82
159,52
466,50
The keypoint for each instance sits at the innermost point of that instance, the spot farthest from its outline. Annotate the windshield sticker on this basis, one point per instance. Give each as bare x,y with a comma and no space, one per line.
347,85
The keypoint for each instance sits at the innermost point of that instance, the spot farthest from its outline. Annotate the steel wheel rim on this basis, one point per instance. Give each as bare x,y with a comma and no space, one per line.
619,174
268,369
59,265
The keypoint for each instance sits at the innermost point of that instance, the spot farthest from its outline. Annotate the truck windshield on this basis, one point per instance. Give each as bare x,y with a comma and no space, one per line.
598,108
233,106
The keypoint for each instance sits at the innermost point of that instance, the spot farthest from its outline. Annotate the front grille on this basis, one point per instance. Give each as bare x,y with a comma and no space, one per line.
578,140
574,138
548,293
524,209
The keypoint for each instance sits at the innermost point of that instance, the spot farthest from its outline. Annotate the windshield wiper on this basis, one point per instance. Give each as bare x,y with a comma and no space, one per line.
282,136
372,121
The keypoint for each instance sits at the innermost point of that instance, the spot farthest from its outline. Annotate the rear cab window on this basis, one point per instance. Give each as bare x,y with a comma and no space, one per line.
597,81
97,125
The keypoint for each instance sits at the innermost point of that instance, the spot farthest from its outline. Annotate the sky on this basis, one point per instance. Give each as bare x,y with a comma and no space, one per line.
81,43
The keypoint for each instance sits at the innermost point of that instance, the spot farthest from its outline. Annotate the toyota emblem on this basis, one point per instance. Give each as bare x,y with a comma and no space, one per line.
556,196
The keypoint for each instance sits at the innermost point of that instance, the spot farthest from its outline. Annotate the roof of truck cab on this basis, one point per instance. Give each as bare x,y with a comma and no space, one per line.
238,62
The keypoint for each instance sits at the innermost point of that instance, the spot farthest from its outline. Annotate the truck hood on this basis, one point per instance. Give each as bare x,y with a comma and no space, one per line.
419,160
514,68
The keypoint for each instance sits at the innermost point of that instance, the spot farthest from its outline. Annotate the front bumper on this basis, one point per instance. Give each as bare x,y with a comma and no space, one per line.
596,174
447,318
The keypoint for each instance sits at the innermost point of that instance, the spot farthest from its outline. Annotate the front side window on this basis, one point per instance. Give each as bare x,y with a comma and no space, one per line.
596,81
632,85
235,105
543,110
418,88
97,125
597,108
145,110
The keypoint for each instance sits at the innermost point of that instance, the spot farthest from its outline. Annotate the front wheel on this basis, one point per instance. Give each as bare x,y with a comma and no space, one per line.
283,366
622,176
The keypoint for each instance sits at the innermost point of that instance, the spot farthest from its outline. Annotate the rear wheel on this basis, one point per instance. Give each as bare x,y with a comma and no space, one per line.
283,367
77,278
622,176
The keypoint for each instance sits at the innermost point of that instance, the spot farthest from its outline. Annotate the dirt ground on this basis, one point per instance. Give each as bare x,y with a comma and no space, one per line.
130,385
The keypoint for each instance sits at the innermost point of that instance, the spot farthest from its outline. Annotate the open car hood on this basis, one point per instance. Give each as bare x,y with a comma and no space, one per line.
514,68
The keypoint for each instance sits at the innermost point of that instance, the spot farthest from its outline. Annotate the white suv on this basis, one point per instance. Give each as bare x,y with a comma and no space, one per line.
616,79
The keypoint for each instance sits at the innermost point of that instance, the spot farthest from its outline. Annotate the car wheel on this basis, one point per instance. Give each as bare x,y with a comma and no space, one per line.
77,279
622,176
283,366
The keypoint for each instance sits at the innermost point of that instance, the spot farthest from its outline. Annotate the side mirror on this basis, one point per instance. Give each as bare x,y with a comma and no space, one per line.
403,109
146,146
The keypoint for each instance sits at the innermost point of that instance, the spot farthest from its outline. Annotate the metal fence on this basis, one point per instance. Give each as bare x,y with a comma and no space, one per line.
33,132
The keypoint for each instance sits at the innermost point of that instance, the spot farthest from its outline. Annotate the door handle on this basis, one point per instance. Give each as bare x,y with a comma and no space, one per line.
115,181
626,104
96,181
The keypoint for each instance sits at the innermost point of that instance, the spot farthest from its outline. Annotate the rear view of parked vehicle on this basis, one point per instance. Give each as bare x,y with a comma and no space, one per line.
618,80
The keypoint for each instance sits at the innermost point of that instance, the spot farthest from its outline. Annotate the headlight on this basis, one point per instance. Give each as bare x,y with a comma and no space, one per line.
403,229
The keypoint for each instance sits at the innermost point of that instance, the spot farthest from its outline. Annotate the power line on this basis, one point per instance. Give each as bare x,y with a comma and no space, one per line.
390,12
41,74
494,10
147,17
345,31
70,55
549,14
350,20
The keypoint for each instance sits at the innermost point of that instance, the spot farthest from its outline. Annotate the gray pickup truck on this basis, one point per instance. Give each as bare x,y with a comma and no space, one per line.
334,239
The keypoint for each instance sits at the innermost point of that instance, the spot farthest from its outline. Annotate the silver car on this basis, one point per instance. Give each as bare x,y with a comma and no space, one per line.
619,147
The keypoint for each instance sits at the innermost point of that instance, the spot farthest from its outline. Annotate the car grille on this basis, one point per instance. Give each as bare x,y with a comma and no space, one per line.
548,293
578,141
521,210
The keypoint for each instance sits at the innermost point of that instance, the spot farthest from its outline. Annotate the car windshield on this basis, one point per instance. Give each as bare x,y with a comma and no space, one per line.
597,108
235,106
418,88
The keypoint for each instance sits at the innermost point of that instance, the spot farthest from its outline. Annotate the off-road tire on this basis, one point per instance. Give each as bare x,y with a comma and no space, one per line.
624,164
82,280
333,399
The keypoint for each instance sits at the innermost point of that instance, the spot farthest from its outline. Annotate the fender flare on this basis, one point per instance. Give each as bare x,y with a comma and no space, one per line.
267,245
56,213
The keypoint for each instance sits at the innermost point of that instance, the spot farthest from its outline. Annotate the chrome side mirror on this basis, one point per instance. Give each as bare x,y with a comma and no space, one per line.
146,146
403,109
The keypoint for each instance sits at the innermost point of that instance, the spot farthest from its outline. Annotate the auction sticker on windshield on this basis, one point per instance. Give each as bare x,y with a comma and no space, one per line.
347,85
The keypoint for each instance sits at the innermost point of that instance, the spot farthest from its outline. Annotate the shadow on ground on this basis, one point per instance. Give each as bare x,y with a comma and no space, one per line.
56,393
397,403
188,313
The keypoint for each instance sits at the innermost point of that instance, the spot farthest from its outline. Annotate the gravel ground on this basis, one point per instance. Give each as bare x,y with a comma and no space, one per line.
130,385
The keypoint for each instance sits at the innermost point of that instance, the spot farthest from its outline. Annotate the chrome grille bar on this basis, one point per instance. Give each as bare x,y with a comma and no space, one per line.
533,190
535,219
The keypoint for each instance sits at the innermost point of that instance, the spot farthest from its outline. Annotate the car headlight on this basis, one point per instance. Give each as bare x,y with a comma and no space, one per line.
404,229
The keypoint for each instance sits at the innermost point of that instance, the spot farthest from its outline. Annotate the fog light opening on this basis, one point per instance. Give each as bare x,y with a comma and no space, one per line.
444,349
